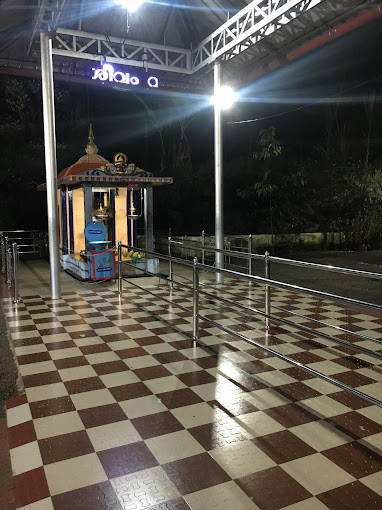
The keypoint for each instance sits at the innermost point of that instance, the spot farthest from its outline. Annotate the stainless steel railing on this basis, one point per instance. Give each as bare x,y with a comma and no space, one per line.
29,242
268,259
12,270
16,243
232,244
198,291
280,260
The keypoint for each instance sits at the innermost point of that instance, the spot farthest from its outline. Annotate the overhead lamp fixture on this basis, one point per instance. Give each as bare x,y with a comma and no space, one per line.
130,5
225,97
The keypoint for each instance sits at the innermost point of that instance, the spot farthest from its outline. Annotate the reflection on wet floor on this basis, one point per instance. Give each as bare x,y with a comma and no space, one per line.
121,412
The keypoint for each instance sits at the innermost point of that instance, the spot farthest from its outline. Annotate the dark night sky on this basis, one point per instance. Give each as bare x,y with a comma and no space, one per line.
335,67
119,117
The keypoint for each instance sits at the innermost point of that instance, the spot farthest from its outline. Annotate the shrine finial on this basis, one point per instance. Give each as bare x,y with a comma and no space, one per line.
91,147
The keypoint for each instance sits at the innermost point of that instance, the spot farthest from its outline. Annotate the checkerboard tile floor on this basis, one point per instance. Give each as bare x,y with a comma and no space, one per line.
121,412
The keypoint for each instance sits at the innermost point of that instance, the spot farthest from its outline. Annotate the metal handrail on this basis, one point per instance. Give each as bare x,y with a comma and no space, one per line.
12,269
15,252
291,262
197,292
295,288
291,287
32,242
311,371
326,267
233,253
120,278
262,280
305,329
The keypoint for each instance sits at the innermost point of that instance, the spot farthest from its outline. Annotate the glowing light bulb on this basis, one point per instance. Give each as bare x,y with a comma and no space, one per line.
225,97
130,5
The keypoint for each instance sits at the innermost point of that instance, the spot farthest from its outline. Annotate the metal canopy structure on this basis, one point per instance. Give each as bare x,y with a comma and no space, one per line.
170,38
181,38
252,24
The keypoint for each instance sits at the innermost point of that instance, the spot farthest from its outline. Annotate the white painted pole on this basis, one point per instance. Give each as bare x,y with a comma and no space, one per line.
50,162
219,228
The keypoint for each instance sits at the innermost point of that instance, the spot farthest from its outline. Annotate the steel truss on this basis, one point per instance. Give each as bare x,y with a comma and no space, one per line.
258,20
47,17
254,23
306,26
76,44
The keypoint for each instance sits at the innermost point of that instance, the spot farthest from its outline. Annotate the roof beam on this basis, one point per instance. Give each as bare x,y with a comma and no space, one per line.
165,22
98,47
190,24
38,21
253,23
47,16
215,10
321,39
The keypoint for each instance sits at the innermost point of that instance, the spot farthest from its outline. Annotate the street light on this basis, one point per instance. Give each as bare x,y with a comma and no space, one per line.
130,5
223,98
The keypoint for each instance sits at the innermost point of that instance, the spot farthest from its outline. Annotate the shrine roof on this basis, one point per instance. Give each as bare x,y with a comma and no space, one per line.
120,181
85,164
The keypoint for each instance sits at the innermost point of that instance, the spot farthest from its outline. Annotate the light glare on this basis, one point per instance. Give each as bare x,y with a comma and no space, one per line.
225,97
130,5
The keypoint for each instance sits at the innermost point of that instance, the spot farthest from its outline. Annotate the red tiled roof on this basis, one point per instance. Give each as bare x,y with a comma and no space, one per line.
81,167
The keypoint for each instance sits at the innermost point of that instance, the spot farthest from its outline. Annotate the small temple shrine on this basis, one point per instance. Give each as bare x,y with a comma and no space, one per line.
100,203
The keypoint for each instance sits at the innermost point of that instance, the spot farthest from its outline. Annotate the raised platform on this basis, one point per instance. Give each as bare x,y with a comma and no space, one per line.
77,267
121,411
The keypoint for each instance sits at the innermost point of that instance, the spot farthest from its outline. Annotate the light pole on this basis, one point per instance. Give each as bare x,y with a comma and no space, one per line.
223,98
50,162
219,234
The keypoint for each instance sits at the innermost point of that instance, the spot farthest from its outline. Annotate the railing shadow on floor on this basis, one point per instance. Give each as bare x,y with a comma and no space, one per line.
223,295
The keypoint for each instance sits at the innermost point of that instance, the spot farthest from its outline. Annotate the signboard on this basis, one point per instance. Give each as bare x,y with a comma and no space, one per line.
101,265
95,231
108,73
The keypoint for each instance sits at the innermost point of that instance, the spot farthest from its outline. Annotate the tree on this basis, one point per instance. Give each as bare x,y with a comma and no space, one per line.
269,148
22,165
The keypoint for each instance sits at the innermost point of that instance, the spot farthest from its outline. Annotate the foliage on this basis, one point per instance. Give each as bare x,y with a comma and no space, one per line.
275,183
335,187
22,165
269,148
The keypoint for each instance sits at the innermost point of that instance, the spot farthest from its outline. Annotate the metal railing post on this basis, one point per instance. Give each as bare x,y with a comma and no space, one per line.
250,251
40,245
9,267
170,275
2,254
267,291
119,268
34,243
195,308
9,261
16,298
203,245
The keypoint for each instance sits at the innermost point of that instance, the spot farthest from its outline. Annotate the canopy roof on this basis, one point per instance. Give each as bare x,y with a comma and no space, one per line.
99,28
